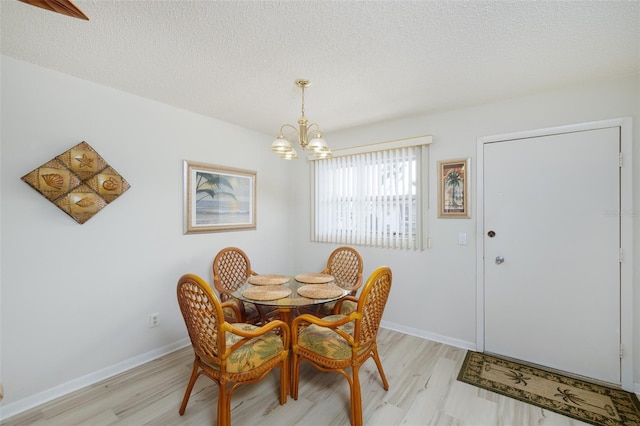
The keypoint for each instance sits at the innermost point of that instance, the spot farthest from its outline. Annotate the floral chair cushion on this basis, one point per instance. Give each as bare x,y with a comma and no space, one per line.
347,307
230,315
326,342
253,353
326,309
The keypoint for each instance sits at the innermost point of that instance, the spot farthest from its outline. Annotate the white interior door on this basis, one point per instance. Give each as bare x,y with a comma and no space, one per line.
554,299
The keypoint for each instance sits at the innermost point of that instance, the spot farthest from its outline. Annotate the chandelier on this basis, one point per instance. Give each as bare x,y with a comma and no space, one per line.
308,135
66,7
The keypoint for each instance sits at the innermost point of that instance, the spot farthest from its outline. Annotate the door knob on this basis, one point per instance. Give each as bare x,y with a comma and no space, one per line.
499,260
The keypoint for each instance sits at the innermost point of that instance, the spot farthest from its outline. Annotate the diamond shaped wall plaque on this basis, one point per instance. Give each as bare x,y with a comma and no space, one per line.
78,181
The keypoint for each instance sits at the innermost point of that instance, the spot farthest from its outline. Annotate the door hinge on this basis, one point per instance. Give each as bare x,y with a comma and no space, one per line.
621,351
620,160
621,255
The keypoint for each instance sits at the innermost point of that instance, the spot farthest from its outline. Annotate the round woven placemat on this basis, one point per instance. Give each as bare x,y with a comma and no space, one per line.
314,278
268,292
319,291
268,279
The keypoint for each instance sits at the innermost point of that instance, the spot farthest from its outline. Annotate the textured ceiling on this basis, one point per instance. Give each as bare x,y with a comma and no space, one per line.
368,60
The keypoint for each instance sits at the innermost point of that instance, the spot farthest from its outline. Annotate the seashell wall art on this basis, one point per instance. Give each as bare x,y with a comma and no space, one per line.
78,181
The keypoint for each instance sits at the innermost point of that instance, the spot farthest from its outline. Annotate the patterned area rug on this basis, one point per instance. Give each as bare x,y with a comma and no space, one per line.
587,402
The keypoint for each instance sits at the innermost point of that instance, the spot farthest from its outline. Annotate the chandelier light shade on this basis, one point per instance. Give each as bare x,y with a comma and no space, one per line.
307,135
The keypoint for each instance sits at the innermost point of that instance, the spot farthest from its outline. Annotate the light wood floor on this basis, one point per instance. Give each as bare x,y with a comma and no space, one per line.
423,391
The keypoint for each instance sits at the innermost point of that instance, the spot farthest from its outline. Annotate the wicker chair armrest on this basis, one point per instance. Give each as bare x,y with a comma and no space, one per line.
312,319
285,332
218,285
338,305
301,320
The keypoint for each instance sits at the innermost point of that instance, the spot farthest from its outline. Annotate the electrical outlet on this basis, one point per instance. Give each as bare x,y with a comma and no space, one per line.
462,239
154,320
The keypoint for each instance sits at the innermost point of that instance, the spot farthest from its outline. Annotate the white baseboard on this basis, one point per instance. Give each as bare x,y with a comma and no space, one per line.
22,405
429,336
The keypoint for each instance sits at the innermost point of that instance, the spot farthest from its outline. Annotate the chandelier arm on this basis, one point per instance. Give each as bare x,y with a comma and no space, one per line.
284,126
294,131
311,126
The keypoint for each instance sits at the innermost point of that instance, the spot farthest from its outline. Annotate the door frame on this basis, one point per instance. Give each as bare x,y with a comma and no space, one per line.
626,231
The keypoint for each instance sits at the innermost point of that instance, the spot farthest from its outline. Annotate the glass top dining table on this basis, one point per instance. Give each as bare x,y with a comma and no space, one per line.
291,301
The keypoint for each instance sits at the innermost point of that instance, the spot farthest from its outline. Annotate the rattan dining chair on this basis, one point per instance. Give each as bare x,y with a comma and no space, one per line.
346,266
231,268
229,354
339,342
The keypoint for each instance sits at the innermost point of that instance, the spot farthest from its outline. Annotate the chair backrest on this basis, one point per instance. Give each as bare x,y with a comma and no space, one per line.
345,264
371,304
203,317
231,268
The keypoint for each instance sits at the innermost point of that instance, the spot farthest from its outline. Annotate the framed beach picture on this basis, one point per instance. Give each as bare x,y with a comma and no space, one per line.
453,188
218,198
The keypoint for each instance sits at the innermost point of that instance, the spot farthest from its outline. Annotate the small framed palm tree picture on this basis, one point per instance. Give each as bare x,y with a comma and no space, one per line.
218,198
453,188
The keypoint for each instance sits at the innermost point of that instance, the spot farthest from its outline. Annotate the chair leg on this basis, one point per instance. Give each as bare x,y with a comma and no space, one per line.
376,358
243,312
187,394
356,398
224,406
261,315
284,380
295,375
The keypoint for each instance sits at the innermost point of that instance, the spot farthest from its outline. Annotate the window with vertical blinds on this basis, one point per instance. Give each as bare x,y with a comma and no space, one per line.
371,198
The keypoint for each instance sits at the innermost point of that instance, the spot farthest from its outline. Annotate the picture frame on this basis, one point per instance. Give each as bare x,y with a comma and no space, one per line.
453,188
218,198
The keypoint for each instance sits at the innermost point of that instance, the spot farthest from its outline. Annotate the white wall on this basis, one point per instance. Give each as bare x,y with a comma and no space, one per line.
76,298
434,292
